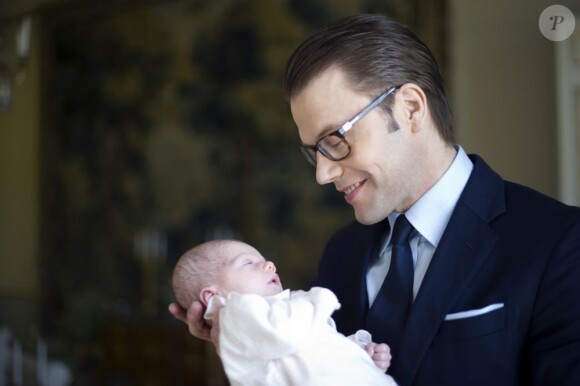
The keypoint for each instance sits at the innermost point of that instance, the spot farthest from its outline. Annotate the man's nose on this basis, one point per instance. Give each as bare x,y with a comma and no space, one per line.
327,170
269,266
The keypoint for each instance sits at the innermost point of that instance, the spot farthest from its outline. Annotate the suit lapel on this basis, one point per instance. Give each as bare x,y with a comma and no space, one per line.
364,251
463,249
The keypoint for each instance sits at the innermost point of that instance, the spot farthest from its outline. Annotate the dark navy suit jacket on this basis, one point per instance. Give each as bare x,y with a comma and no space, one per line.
504,244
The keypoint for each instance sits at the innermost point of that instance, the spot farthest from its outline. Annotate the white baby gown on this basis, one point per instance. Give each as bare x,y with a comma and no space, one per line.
287,340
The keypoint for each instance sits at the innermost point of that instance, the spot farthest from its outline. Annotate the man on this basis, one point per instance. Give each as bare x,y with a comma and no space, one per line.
481,291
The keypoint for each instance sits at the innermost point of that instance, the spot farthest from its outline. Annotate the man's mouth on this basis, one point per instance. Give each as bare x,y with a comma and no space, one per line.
351,188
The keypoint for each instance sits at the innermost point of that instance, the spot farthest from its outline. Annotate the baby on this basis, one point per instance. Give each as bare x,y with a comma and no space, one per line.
268,335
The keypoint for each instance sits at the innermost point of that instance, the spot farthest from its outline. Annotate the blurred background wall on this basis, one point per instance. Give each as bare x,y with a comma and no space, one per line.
136,129
503,81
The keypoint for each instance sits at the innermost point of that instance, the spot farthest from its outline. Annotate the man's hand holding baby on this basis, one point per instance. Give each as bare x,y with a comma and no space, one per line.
198,326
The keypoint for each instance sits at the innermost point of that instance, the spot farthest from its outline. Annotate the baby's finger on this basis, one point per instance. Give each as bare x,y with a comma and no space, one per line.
382,360
370,348
382,348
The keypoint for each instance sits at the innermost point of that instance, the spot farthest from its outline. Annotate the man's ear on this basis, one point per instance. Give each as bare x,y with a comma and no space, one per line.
415,108
206,294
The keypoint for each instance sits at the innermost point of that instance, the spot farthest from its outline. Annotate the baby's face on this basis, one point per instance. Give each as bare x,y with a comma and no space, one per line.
246,271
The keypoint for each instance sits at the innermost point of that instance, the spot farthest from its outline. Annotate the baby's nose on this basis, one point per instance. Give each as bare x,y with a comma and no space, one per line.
269,266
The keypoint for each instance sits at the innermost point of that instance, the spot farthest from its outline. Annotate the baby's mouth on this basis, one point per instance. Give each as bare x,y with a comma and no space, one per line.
275,280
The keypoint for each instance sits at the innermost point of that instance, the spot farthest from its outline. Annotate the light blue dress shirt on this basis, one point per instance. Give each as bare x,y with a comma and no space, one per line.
429,216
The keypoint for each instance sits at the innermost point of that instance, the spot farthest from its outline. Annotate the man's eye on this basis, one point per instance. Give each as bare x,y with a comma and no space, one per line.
333,142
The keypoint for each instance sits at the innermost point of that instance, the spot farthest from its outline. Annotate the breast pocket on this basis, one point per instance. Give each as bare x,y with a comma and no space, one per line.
472,324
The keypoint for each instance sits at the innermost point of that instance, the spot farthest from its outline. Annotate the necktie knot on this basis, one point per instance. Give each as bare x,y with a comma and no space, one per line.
401,231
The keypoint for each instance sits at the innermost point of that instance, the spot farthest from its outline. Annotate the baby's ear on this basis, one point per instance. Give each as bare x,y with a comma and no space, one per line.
206,294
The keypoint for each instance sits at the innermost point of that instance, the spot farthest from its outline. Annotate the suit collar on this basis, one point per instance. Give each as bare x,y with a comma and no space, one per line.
484,192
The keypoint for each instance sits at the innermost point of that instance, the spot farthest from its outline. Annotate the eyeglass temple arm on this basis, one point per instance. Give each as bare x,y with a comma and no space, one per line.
348,125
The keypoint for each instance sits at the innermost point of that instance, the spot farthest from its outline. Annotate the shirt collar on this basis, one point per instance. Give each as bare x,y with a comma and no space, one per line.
431,213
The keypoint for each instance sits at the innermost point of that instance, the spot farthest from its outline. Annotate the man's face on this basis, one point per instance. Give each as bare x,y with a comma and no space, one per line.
246,271
378,176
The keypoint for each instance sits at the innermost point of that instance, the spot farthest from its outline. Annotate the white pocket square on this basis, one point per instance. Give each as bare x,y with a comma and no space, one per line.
472,313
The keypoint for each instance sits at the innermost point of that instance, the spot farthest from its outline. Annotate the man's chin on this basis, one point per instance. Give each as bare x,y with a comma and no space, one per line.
367,218
362,217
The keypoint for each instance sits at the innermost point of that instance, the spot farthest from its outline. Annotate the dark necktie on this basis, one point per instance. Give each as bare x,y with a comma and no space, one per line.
388,314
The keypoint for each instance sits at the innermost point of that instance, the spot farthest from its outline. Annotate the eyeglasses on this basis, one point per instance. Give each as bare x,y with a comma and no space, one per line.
334,146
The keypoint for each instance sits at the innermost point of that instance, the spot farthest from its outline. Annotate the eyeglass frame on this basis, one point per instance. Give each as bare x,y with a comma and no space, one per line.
309,151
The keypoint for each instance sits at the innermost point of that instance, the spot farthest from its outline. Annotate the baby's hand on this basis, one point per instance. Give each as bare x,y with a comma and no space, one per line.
380,353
